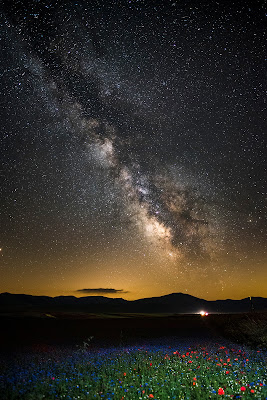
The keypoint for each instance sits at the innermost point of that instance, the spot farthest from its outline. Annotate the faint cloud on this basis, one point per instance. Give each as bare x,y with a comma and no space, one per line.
101,290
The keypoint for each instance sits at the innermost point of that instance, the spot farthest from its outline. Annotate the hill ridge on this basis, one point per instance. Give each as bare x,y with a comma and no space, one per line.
169,303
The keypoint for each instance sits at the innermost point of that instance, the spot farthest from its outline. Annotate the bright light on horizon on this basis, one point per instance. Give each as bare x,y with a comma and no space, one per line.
203,313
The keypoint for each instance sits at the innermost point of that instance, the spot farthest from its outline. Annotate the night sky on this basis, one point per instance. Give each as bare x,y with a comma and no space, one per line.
133,148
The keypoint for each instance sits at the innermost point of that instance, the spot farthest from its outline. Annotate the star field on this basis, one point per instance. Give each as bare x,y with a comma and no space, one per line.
133,148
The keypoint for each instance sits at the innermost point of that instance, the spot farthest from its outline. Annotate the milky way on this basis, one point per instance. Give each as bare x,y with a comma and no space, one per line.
133,141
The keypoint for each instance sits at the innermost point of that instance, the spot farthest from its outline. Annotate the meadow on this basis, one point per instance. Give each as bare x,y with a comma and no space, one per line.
155,368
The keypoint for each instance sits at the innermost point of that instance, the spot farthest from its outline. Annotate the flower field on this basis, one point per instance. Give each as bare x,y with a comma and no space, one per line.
159,369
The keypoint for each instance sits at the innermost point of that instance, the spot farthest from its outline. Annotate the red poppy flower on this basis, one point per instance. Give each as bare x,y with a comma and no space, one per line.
252,391
151,396
220,391
227,372
242,388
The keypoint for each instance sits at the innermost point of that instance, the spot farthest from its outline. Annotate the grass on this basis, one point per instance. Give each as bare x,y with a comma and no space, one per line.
159,369
252,329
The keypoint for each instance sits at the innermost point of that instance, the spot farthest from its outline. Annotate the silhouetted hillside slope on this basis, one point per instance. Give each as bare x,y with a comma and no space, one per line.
171,303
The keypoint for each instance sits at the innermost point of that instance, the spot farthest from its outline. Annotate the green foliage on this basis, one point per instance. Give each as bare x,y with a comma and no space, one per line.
196,372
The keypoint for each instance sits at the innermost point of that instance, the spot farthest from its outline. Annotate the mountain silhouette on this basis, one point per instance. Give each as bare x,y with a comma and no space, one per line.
177,303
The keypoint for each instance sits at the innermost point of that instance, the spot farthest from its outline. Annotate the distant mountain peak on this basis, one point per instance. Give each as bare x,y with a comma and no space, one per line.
169,303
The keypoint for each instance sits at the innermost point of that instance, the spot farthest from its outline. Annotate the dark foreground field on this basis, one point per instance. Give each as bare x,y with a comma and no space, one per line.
73,327
70,328
130,357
